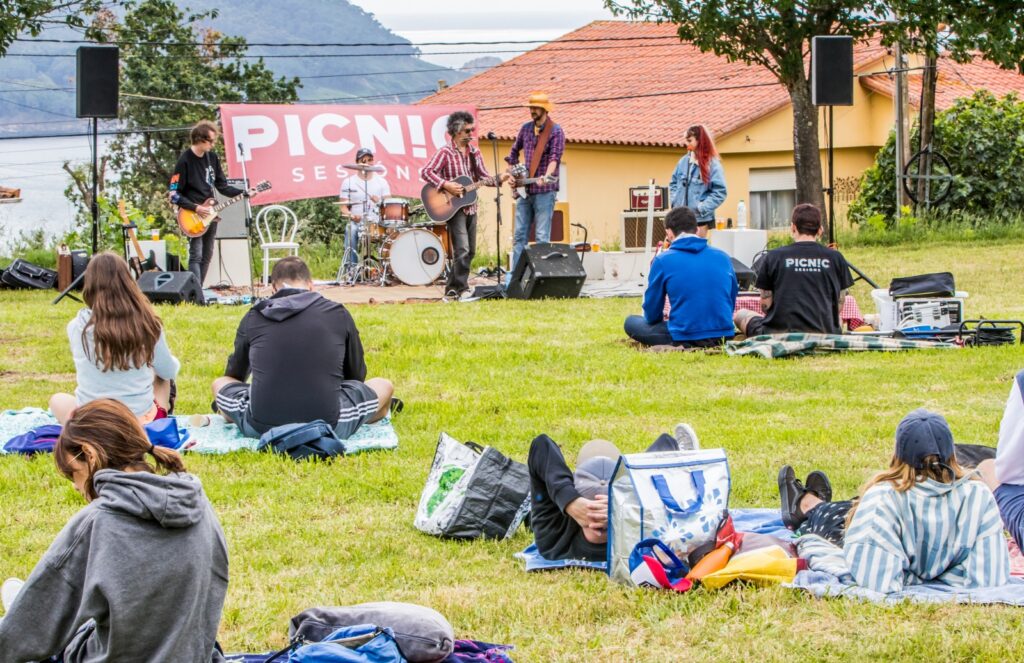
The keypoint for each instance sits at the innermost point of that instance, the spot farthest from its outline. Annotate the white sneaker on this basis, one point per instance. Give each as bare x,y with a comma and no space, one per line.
9,592
467,296
686,437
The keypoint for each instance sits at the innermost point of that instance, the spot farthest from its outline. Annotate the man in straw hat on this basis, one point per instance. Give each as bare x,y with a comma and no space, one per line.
542,143
569,510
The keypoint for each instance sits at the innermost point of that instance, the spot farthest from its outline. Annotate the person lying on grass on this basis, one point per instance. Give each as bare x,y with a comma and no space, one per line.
1005,474
923,519
569,510
118,345
140,573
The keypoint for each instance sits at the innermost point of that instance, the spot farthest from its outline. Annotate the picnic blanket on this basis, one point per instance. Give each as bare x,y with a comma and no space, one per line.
826,585
466,651
217,438
773,346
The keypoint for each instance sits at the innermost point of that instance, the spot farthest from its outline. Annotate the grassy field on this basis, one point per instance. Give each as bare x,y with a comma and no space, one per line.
502,372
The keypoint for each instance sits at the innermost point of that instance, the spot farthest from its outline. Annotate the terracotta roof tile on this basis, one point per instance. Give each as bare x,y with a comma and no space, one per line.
668,84
955,80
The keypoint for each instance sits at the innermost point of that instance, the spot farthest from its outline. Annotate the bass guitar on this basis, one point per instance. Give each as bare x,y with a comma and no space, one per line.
519,173
441,206
135,264
194,224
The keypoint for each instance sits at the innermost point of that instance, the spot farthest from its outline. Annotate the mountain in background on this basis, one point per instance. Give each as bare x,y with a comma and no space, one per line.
37,92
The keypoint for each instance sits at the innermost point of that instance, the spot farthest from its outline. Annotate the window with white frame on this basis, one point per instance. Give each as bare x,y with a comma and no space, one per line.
772,197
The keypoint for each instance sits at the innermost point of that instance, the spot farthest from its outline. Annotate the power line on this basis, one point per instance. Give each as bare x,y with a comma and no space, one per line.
405,44
123,132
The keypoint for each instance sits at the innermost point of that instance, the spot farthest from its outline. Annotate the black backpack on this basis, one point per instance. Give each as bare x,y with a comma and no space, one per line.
301,441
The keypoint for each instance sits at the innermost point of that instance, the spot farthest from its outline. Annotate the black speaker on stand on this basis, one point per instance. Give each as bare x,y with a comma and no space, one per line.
547,270
831,85
97,88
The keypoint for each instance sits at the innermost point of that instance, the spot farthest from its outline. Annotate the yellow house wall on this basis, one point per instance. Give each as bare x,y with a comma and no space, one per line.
599,176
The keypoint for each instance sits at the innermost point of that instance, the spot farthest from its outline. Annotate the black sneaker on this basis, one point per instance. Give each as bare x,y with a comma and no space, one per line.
819,484
791,491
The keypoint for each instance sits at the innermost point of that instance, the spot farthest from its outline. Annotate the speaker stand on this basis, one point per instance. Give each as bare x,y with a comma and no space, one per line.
66,292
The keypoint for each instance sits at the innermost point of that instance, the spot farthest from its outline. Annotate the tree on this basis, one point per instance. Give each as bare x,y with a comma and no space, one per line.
173,74
17,16
776,35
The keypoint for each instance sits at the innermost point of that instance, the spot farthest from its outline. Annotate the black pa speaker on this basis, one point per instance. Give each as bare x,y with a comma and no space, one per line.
547,270
744,275
832,71
171,287
96,81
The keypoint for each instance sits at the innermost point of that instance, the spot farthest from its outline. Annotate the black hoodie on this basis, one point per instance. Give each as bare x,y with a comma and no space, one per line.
299,348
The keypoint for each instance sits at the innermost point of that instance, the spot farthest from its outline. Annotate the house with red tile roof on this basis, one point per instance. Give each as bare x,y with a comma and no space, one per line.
625,93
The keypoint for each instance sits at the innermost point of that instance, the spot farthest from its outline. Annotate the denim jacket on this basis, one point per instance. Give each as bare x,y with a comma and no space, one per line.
702,198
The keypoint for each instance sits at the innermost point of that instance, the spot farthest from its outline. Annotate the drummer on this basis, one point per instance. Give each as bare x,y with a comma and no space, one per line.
360,199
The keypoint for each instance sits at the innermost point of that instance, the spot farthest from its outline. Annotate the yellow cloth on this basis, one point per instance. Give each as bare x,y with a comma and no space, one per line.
762,566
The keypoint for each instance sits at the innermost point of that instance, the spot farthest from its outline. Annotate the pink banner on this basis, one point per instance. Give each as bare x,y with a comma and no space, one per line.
302,149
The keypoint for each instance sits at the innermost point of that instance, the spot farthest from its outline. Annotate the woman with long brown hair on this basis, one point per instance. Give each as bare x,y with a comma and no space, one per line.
140,573
922,519
698,181
118,345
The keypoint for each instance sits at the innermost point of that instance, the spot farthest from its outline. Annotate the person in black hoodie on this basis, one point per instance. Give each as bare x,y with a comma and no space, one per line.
306,360
139,574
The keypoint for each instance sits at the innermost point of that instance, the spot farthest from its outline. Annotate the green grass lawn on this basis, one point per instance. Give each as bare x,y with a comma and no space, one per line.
502,372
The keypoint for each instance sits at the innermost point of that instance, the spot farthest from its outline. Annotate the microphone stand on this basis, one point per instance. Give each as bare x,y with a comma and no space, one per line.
497,234
248,227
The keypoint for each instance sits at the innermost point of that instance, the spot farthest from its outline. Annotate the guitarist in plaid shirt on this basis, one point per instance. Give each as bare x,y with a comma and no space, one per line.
456,159
542,143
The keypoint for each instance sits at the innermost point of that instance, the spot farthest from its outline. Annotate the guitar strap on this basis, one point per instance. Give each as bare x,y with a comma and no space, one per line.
542,143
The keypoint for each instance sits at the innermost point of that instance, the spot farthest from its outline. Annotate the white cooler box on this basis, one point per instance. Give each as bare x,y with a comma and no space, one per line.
906,312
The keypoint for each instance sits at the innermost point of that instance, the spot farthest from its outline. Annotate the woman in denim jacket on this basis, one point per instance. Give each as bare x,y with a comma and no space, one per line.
699,181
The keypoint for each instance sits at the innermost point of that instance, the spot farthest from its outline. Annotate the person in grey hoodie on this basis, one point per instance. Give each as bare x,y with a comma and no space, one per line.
119,346
139,574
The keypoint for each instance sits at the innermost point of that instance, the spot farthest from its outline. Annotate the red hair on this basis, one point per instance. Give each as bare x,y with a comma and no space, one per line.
705,150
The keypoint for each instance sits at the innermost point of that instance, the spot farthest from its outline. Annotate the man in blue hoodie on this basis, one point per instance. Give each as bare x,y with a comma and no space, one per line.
306,361
701,287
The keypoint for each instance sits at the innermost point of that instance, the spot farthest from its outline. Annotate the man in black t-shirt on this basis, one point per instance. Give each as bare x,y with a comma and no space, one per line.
802,285
196,174
306,361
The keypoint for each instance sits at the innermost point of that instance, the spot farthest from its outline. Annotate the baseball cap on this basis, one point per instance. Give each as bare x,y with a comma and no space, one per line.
595,465
363,152
920,434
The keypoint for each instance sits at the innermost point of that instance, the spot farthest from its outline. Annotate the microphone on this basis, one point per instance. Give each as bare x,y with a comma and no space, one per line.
241,150
491,136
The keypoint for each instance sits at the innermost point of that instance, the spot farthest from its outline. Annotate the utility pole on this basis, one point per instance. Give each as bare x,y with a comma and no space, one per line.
900,100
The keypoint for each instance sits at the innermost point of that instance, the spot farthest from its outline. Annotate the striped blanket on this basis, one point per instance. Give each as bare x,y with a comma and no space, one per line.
773,346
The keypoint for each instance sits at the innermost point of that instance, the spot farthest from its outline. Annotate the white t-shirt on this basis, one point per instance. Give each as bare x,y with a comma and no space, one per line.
355,190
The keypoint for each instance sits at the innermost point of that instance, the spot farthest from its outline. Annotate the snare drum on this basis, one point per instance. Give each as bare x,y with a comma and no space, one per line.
394,212
415,256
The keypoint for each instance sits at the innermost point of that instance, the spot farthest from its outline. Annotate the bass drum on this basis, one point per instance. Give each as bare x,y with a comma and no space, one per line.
415,256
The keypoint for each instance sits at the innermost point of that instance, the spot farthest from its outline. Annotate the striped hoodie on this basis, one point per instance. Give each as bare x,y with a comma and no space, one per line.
948,533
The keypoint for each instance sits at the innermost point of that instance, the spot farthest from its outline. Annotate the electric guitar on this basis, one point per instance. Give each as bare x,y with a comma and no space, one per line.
519,172
134,262
194,224
441,206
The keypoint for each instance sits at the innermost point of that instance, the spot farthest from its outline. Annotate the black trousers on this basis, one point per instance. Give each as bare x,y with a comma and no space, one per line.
200,253
462,231
827,520
552,489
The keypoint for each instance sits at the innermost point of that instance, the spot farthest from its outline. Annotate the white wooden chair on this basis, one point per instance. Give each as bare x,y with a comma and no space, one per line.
271,241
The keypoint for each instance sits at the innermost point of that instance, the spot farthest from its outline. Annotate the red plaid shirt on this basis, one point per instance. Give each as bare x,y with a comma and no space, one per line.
450,162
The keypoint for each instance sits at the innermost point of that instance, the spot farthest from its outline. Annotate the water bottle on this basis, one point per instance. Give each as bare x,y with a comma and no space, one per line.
741,215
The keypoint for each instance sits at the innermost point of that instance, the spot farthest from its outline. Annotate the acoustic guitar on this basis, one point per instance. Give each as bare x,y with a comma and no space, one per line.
519,173
135,264
441,206
194,224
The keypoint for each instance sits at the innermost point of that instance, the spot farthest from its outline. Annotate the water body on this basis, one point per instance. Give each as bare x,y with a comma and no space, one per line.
34,166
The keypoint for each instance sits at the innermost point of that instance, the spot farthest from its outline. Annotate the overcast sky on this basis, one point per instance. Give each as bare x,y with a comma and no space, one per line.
451,20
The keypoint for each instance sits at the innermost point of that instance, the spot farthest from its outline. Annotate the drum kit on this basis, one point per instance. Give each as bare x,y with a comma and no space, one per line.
395,242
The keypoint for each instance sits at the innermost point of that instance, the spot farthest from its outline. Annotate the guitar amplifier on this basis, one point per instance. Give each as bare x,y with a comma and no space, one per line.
171,287
547,270
638,198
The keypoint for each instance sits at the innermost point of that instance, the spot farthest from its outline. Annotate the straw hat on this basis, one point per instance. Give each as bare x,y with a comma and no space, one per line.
540,100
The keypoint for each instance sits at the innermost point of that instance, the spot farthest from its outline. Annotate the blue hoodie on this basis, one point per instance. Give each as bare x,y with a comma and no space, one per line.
701,286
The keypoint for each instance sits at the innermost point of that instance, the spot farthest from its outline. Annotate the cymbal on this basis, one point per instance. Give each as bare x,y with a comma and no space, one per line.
363,168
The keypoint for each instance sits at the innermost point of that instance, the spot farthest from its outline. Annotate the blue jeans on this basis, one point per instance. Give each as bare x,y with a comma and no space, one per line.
200,253
535,209
641,331
351,255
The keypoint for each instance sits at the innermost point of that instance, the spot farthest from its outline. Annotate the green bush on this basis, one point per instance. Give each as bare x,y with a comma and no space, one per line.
983,139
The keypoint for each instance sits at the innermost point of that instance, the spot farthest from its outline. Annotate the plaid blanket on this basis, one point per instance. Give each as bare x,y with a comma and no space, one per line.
772,346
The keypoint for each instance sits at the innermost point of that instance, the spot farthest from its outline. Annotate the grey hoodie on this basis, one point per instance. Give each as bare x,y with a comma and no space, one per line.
145,561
